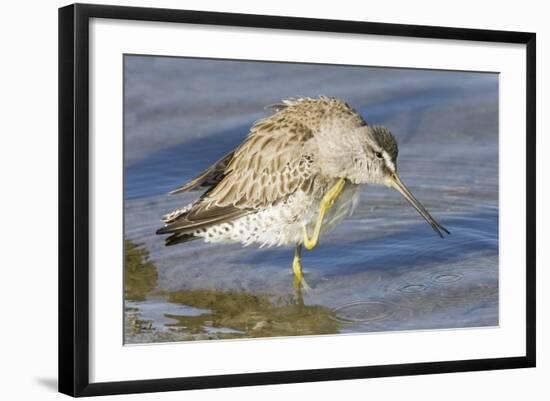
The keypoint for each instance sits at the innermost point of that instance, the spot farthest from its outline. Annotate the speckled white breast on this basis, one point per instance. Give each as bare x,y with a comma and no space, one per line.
283,223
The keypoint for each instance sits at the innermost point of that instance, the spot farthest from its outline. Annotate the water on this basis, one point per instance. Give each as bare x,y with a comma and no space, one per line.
383,269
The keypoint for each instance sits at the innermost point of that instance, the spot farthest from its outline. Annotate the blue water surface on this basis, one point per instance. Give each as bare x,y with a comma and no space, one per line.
383,268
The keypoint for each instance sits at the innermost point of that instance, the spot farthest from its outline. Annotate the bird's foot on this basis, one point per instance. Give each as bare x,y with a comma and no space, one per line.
326,203
310,243
330,198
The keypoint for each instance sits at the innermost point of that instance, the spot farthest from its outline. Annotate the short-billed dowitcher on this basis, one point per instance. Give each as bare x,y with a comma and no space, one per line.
295,176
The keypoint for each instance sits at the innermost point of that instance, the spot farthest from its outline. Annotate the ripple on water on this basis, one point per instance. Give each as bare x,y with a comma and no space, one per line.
411,285
446,278
364,311
410,288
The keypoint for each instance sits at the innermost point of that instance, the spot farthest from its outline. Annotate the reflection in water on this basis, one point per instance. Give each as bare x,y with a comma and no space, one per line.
183,315
251,315
140,275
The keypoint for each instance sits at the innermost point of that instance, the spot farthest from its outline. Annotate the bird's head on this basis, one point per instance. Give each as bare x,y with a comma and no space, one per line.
375,162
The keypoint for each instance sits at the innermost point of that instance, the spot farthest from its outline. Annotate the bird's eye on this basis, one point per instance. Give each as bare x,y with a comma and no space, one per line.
378,155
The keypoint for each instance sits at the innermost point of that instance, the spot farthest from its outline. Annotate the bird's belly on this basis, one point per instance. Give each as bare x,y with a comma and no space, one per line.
283,224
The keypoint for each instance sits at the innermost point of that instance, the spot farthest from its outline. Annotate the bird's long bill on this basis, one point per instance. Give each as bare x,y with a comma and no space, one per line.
398,184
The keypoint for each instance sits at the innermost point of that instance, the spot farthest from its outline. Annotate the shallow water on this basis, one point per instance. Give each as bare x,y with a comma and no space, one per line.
381,269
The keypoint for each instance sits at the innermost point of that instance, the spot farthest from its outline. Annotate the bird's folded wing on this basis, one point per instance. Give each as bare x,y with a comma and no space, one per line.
271,164
199,216
209,177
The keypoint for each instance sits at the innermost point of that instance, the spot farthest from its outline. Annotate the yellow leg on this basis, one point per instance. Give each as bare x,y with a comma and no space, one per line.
326,203
297,268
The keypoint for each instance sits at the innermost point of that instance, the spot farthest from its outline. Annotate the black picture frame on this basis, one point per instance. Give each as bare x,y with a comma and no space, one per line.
74,198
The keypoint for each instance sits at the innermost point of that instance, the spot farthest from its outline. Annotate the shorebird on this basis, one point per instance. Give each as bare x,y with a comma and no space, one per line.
295,176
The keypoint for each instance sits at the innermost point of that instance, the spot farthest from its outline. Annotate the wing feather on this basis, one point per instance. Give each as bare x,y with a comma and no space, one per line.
209,177
200,216
266,168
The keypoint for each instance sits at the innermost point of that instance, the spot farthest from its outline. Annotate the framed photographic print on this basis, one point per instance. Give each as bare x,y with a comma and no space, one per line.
250,199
